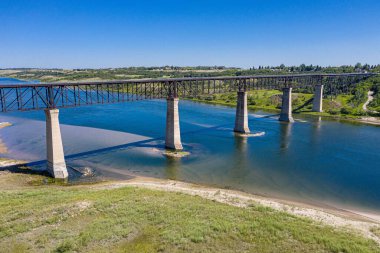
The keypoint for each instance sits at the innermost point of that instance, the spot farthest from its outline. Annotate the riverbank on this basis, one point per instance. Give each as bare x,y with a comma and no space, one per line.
340,218
149,215
348,118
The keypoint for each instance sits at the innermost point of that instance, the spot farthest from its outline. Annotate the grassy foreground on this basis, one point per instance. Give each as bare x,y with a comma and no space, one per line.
53,218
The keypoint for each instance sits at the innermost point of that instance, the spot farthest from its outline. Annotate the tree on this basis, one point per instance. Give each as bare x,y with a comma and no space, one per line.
358,65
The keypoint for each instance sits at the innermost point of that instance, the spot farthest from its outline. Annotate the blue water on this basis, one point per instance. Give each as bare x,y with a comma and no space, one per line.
313,160
7,80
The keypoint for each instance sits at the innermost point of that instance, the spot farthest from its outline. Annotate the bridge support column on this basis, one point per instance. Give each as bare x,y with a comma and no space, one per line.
56,164
286,109
173,134
318,98
241,120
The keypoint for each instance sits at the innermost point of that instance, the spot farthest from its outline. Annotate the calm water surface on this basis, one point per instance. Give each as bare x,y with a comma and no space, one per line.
312,160
8,80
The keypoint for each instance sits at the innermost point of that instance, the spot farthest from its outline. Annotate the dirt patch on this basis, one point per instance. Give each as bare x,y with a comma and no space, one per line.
335,105
370,120
83,205
276,99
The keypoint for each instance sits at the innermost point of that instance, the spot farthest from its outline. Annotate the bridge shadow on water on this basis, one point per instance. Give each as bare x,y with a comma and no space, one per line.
25,168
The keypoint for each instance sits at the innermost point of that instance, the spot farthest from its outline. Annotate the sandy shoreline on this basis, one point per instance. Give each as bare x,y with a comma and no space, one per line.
370,120
4,162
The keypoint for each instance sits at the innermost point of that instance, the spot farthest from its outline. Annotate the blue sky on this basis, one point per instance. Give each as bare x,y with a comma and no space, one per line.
110,33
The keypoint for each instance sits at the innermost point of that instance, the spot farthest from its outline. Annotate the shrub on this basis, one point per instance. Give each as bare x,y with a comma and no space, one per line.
345,110
333,111
360,95
358,112
251,100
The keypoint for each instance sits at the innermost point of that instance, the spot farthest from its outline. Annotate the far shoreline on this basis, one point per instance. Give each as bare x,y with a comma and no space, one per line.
368,120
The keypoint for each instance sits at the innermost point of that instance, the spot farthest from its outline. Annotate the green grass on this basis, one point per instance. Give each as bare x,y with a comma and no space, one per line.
345,106
85,219
376,231
257,99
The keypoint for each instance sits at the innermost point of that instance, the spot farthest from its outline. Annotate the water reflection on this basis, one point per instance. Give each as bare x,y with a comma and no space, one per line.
319,122
316,131
173,165
3,147
240,161
285,133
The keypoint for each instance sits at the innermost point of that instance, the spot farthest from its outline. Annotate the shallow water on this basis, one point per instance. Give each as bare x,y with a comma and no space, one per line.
312,160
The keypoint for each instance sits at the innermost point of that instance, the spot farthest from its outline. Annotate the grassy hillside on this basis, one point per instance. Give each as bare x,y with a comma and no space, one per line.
54,75
54,218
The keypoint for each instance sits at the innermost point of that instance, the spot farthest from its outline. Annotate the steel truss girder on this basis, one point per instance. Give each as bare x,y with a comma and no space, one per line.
61,95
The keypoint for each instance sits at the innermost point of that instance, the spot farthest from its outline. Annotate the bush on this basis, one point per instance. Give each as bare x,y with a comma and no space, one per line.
359,112
345,110
360,95
251,100
333,111
209,98
232,97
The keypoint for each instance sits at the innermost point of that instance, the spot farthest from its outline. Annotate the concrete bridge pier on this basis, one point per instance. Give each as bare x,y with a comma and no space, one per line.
173,134
286,109
318,98
241,119
56,164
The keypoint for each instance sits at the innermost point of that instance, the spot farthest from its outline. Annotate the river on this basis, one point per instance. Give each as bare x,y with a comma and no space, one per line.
314,160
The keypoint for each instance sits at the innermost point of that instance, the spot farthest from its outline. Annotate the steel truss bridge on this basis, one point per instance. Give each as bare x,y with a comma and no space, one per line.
71,94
